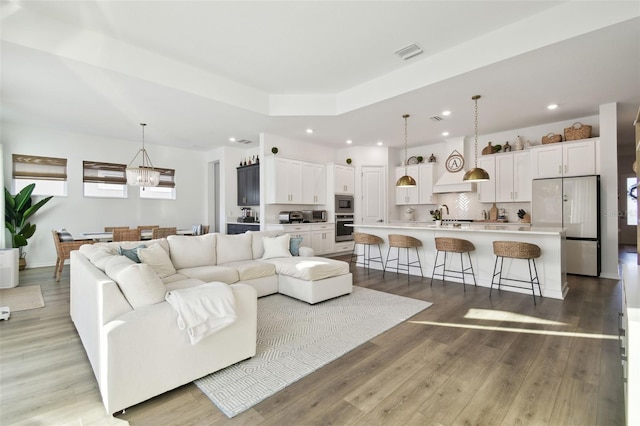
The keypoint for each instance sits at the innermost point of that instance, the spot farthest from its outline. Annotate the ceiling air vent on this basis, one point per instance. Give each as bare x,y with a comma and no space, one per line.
409,51
435,118
243,141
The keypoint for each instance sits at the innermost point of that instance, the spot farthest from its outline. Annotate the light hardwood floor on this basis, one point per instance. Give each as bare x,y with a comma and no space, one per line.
464,360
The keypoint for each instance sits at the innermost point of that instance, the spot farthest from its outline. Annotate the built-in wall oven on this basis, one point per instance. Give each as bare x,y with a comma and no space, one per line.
344,232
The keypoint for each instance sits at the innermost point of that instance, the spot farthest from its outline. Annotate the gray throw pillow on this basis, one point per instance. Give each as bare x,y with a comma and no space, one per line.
131,253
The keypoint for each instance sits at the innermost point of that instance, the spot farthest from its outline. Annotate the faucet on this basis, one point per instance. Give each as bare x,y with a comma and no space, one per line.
446,207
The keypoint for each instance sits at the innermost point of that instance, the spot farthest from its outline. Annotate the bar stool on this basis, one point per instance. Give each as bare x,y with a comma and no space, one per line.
366,241
454,245
516,250
406,242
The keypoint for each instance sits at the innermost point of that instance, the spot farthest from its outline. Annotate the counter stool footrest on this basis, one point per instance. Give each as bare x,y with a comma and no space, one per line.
534,280
461,273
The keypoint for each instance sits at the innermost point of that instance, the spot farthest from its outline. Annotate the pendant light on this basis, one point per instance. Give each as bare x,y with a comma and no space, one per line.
476,174
405,181
144,175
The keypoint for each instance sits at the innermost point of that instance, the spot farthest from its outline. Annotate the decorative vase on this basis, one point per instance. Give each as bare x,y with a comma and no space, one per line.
519,145
438,222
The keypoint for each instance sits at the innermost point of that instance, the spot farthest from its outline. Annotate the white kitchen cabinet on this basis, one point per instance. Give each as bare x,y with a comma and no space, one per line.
563,159
513,177
314,183
344,178
284,180
487,190
509,177
425,184
343,246
407,195
323,236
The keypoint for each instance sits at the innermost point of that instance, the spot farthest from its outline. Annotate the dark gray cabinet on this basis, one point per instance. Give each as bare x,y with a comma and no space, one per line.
241,228
249,185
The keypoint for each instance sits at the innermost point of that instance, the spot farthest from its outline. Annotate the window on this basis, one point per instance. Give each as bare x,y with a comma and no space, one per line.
48,173
166,189
104,180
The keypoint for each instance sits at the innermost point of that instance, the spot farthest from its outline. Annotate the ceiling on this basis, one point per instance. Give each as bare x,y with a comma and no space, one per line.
200,72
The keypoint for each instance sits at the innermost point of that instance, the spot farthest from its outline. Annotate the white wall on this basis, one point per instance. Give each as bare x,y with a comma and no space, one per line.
79,214
609,190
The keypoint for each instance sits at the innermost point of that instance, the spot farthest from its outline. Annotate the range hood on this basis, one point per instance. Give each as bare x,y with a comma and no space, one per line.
453,182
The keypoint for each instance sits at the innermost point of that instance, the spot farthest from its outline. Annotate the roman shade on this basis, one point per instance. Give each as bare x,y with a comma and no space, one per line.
39,168
98,172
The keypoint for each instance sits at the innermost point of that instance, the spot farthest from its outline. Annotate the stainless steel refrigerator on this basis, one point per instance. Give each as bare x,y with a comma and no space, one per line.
572,203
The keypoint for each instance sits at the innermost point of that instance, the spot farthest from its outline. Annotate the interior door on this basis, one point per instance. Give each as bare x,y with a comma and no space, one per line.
374,195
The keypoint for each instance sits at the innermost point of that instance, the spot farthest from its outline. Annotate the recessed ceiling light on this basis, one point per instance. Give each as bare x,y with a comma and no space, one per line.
552,106
309,131
349,141
232,139
379,143
446,113
445,133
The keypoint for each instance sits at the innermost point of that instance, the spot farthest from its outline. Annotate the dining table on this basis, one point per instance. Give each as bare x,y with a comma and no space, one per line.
106,236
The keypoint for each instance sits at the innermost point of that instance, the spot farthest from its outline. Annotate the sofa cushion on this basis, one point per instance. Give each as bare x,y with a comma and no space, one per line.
309,268
158,259
188,283
137,281
207,274
251,269
189,251
232,248
173,278
276,246
257,247
98,254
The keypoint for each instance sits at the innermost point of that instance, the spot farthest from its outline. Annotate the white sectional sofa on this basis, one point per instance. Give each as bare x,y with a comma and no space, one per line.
130,333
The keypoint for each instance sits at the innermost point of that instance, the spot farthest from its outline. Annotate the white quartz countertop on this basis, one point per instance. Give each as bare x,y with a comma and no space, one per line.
465,227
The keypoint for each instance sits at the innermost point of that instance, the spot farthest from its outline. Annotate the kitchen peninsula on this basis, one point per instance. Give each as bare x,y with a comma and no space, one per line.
550,264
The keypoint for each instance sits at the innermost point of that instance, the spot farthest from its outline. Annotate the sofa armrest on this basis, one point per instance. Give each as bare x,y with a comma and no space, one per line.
305,251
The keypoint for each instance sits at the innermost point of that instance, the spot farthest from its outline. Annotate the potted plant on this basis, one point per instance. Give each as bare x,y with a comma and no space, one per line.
17,210
437,216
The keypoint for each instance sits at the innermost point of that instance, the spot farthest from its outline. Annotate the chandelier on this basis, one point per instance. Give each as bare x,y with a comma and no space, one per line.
405,181
144,175
476,174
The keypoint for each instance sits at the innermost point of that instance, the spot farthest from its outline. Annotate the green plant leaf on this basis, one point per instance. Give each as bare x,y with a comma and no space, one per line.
34,208
19,241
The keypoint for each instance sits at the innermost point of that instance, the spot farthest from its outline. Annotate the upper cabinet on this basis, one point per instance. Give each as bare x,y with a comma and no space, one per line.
423,192
563,159
314,183
283,180
344,178
510,177
294,182
249,185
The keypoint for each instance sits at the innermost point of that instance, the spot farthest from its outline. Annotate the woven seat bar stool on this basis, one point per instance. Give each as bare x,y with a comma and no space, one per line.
516,250
403,242
366,241
454,245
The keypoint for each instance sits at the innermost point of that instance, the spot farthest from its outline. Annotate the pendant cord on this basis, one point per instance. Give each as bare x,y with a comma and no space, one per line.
406,116
475,128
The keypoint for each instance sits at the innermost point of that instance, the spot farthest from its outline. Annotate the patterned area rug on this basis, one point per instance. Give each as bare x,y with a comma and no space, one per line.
295,339
22,298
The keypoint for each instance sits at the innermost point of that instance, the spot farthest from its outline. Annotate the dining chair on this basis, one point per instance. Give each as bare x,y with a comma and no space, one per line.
126,234
147,227
163,232
64,249
111,228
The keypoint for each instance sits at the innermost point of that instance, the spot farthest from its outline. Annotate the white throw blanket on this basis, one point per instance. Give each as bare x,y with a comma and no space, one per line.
204,309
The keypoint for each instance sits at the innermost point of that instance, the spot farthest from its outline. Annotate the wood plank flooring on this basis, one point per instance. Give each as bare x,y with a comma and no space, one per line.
465,360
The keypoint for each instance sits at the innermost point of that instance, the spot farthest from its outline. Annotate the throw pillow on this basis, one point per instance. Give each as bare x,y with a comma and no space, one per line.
294,245
158,259
131,253
140,285
276,246
64,235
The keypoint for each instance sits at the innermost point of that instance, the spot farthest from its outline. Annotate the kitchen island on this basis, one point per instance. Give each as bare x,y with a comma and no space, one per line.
551,264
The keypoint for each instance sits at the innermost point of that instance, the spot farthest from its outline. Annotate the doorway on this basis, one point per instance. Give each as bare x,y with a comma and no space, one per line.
374,194
628,208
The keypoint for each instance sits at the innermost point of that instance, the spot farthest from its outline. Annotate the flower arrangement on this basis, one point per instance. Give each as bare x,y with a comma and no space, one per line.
436,214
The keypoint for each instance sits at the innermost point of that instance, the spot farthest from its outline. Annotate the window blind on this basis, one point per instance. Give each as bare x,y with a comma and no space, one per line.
98,172
41,168
167,177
